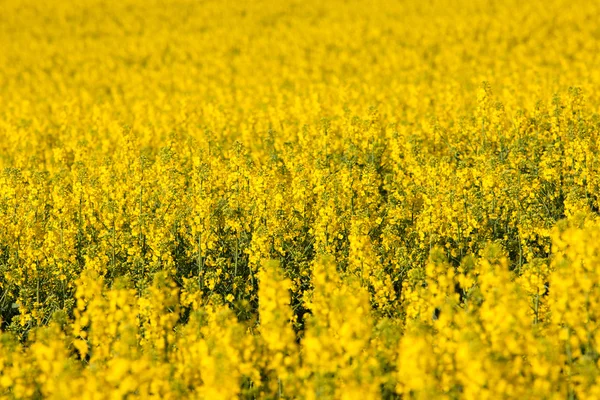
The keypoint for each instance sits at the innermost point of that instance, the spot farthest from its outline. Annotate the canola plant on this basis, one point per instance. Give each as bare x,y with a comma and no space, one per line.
299,199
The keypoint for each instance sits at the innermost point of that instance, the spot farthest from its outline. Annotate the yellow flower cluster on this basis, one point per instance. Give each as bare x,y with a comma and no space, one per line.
285,199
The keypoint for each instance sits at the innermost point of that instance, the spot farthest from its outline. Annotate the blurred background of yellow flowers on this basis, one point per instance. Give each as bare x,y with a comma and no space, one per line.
299,199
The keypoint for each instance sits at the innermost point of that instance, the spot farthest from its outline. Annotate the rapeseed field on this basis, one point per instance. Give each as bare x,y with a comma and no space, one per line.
279,199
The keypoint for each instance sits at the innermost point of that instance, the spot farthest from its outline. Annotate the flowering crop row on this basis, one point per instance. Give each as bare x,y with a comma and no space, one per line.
280,199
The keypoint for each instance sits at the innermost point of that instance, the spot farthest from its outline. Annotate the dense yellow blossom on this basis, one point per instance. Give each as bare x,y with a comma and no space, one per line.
336,199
